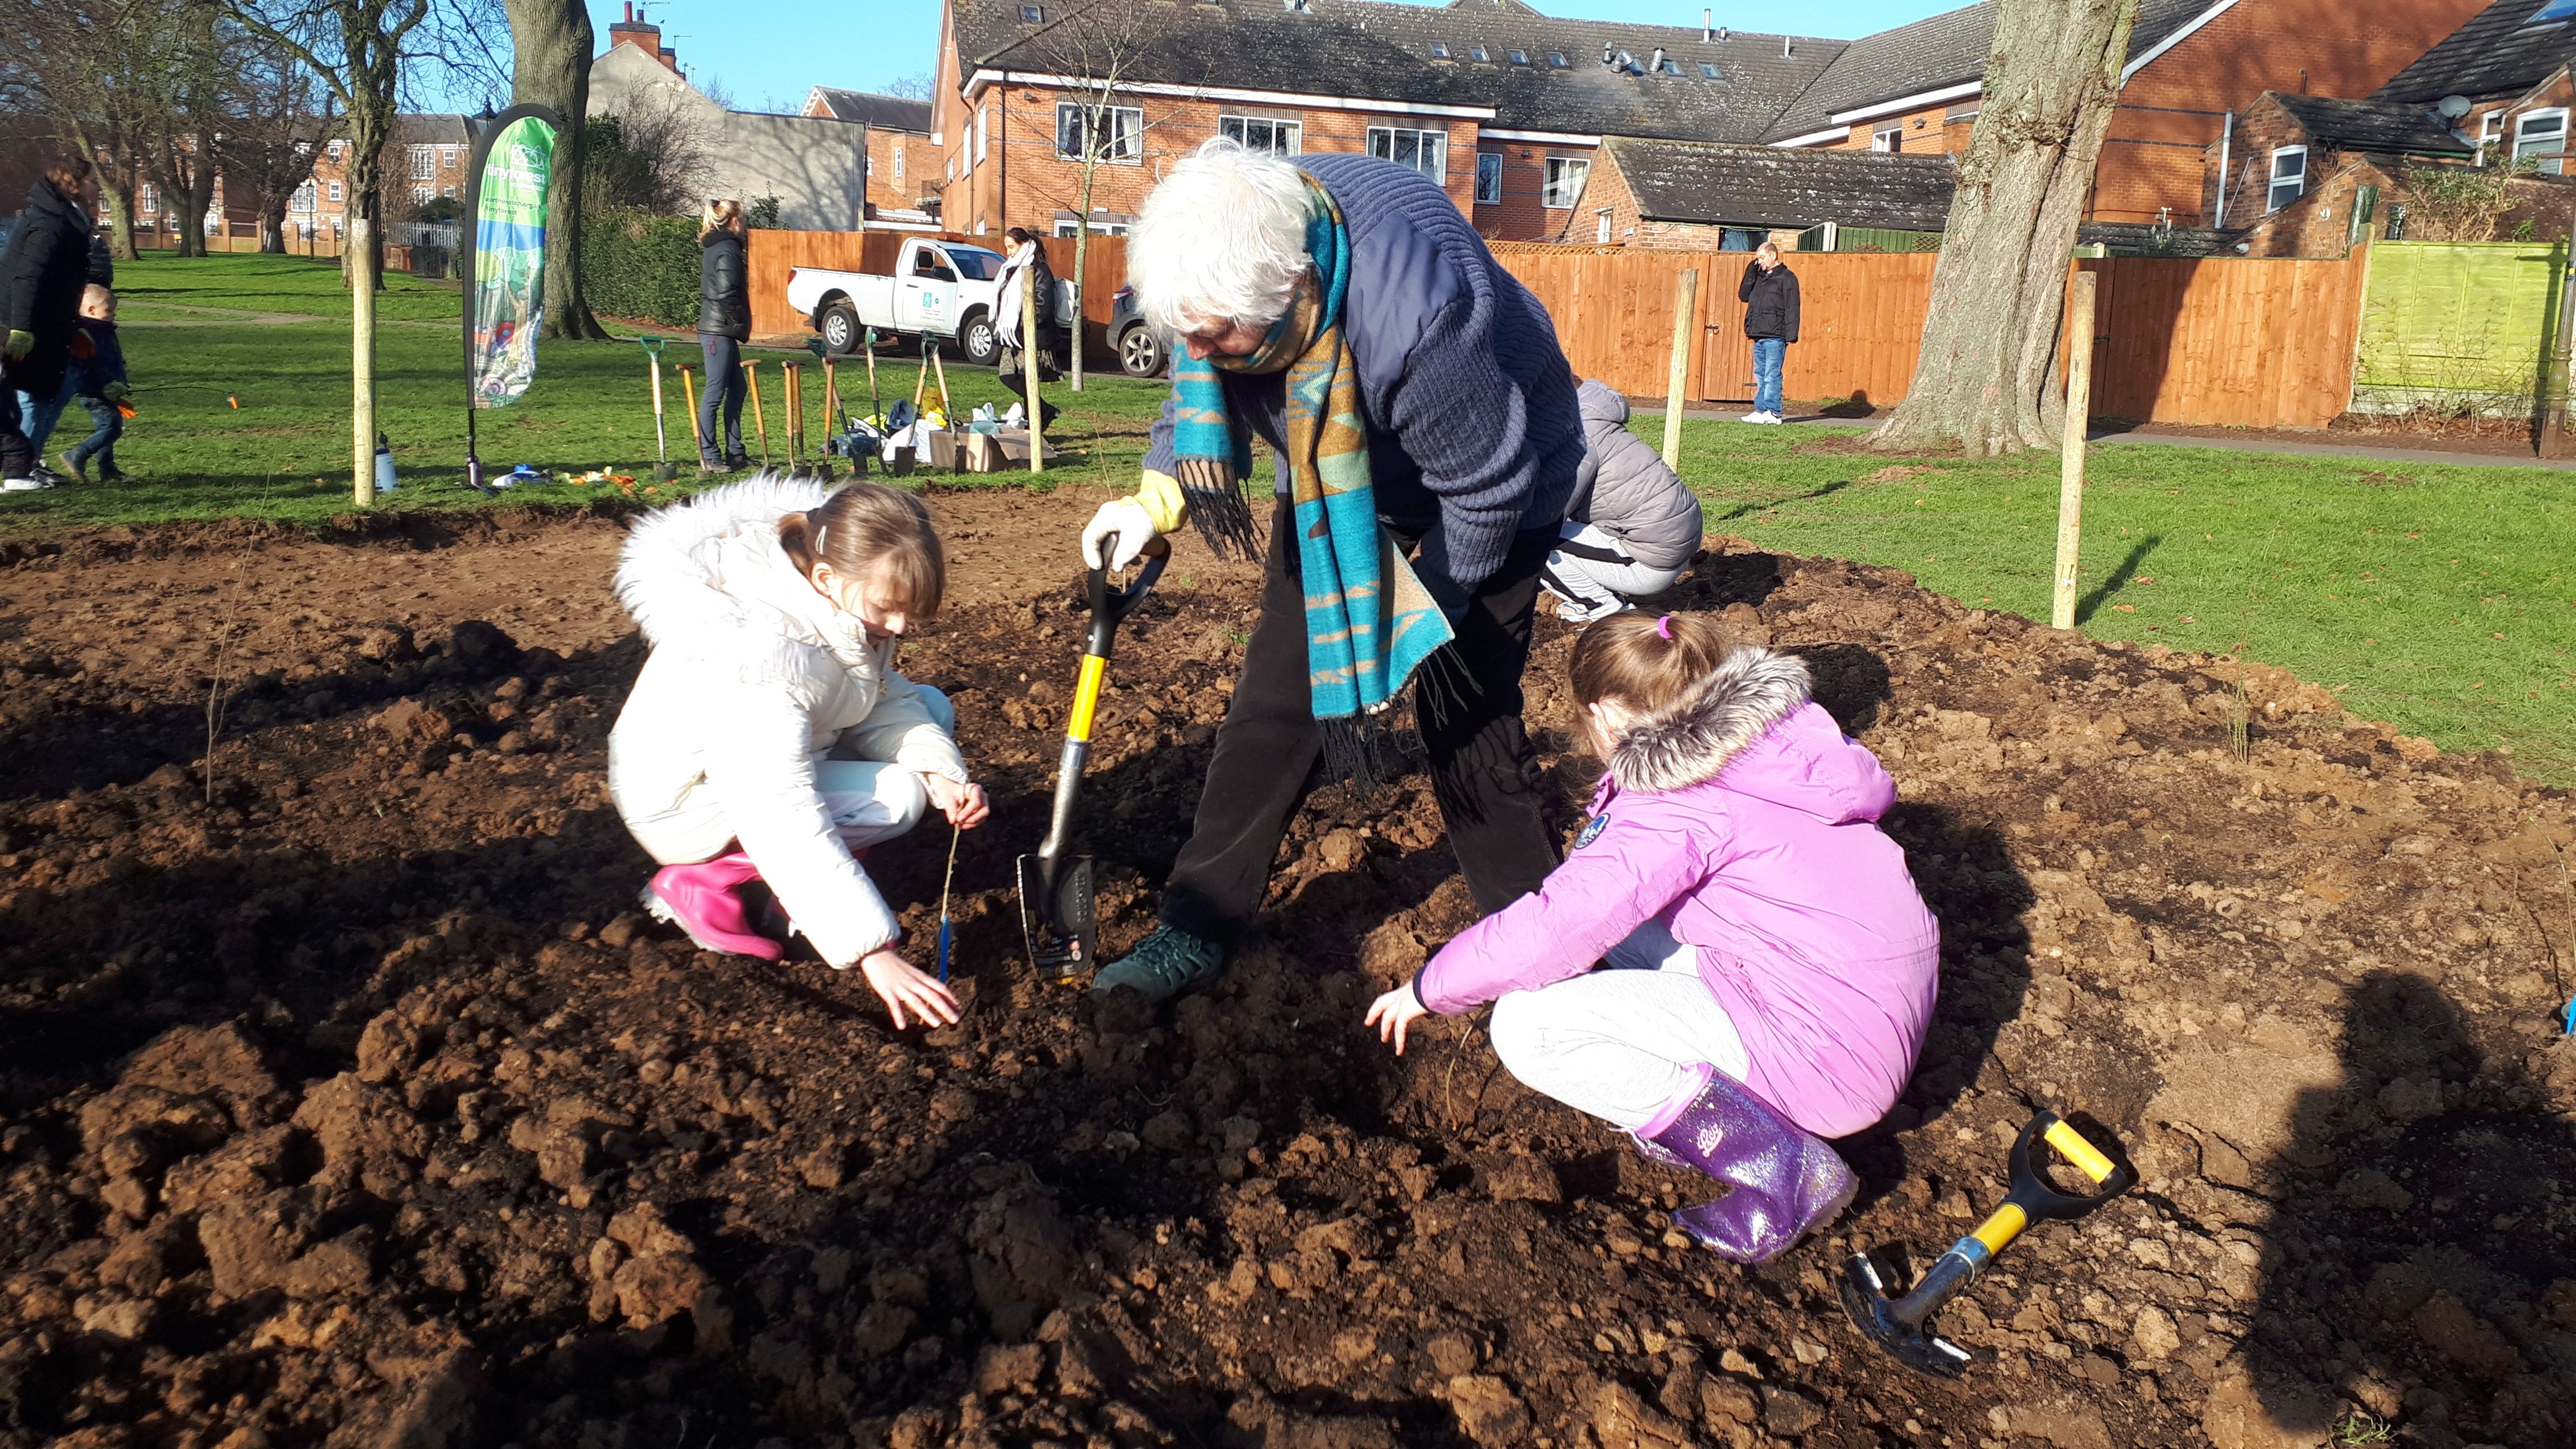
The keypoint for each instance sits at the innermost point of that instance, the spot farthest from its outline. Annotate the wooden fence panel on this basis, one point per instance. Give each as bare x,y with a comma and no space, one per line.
2226,342
1104,272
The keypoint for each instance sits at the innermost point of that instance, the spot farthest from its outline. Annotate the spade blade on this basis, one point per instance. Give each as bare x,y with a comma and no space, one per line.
1060,923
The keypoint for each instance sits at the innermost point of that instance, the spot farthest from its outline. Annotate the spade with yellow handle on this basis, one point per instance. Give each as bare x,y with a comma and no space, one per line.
1897,1324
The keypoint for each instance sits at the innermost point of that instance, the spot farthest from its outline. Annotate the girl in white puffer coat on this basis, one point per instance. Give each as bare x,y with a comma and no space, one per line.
768,736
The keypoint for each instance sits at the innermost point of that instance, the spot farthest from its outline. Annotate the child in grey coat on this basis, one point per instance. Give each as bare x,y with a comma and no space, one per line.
1632,525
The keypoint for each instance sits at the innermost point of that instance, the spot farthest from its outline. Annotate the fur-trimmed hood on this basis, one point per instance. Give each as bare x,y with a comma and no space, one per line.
1694,738
709,571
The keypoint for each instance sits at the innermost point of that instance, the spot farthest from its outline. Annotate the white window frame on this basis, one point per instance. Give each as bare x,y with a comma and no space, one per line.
1888,138
147,200
1419,137
335,149
446,158
1126,134
1556,60
898,161
420,195
1064,227
301,202
2274,178
1601,228
1555,193
1240,128
983,132
424,163
338,192
1489,178
2554,159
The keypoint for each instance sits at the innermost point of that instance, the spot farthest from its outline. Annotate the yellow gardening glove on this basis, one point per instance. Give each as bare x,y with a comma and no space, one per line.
1123,526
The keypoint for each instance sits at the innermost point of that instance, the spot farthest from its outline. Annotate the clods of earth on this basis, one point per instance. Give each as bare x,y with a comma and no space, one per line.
350,1101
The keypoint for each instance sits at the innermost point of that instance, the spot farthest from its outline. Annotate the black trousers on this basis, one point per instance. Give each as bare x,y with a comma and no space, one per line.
1483,771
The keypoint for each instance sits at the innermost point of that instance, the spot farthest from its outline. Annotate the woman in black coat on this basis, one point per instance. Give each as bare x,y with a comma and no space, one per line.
41,277
724,324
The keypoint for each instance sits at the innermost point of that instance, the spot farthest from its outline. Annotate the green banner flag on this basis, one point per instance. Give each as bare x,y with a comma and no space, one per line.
508,299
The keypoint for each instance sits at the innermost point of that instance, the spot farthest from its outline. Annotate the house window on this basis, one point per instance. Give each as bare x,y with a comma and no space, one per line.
983,131
446,158
1489,178
302,200
1280,138
2289,177
1064,227
2555,10
1709,71
1122,137
1888,138
1565,176
1556,58
1439,51
336,193
1601,226
1670,67
424,164
447,192
1520,57
421,194
335,149
2490,131
1477,53
1424,151
2542,136
1033,14
898,163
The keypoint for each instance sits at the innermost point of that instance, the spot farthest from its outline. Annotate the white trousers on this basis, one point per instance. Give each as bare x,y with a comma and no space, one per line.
1620,1042
1596,576
868,800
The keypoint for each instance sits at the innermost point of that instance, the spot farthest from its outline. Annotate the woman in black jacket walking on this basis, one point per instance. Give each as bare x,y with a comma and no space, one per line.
41,277
724,324
1769,293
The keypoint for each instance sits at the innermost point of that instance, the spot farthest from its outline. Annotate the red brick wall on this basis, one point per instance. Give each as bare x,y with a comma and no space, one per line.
1927,130
920,176
1522,215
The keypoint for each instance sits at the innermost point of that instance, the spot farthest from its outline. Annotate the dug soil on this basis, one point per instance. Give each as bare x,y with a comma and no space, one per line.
350,1101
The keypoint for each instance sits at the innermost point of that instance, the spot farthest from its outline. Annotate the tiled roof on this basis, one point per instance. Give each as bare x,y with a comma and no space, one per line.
2499,52
892,113
1369,49
1770,187
1937,52
429,128
2372,125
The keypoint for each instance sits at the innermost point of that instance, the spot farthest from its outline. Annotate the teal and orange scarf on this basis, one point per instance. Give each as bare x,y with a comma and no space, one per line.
1369,621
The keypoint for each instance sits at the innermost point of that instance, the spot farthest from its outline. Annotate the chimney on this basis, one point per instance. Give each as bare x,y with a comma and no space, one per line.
645,36
1707,26
1606,53
1656,65
1784,47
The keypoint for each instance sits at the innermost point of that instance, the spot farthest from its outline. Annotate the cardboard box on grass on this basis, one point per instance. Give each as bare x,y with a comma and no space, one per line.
1000,452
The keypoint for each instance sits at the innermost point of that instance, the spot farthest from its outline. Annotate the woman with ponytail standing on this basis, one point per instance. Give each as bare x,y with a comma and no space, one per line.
769,740
724,325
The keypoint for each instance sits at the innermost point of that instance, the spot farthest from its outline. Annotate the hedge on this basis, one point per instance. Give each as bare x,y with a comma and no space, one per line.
643,267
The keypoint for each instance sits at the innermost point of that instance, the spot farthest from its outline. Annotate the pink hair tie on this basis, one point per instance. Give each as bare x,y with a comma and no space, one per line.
1664,628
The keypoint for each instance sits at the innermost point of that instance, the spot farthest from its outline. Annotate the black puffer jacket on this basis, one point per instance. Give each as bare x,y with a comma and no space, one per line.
1770,301
41,276
724,287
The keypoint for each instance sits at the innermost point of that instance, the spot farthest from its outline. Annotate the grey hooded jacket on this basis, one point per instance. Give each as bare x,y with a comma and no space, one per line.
1623,488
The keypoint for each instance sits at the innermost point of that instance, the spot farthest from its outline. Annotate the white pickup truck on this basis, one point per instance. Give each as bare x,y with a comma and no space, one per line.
940,290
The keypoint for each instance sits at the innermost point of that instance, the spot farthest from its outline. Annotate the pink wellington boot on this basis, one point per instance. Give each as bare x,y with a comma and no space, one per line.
705,900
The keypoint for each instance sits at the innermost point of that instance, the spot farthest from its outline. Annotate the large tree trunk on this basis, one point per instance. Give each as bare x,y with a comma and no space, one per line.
1983,379
119,191
550,66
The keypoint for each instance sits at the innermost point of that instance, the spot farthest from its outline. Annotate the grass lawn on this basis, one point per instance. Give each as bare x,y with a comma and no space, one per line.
2442,599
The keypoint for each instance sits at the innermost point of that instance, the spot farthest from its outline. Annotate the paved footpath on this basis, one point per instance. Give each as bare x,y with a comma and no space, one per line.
2149,438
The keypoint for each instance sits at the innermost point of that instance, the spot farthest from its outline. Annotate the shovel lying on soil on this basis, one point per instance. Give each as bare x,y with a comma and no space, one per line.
1897,1324
1055,893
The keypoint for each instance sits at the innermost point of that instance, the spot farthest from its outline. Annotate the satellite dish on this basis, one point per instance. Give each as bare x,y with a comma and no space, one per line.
2452,107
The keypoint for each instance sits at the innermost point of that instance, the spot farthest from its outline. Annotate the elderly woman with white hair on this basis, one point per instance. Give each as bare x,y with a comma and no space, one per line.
1427,434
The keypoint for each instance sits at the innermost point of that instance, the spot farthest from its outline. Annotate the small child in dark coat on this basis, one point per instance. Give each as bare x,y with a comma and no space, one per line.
98,380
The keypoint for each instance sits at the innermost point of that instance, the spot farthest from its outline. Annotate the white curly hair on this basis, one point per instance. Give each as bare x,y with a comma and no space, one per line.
1222,239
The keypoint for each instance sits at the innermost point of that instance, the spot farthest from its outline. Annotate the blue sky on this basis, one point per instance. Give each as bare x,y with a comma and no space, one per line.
770,52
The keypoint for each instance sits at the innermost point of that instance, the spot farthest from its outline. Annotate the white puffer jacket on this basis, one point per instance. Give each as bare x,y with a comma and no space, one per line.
754,678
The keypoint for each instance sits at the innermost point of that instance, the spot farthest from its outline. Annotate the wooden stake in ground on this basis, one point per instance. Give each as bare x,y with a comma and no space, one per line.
689,392
1983,379
1029,372
1685,337
794,399
751,384
2070,477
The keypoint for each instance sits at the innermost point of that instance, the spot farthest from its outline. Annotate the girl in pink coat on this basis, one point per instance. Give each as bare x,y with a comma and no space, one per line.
1734,963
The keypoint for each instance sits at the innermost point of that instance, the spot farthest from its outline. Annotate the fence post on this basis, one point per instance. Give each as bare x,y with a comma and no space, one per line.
2070,478
2553,420
1677,381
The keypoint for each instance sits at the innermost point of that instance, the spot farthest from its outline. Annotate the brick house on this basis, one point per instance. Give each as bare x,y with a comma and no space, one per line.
1732,197
2320,171
2506,73
901,154
2194,67
1506,107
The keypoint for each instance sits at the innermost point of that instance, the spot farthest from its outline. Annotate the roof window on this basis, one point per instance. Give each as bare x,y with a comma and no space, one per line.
1520,57
2555,10
1032,14
1556,58
1477,53
1709,71
1439,51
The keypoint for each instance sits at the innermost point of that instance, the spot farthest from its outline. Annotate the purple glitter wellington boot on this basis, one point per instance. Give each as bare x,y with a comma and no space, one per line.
1786,1182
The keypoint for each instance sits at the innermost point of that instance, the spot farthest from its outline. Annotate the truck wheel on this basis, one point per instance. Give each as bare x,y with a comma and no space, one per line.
978,340
840,328
1140,352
